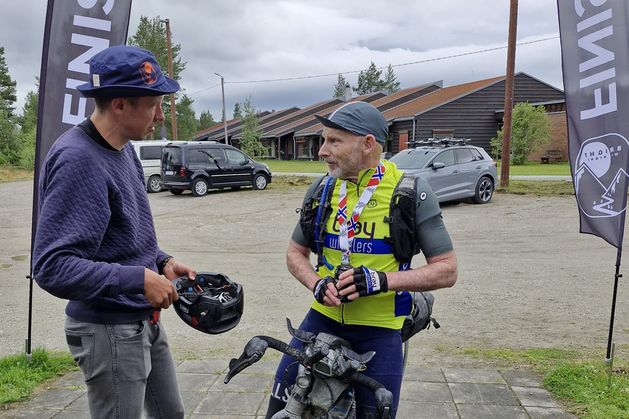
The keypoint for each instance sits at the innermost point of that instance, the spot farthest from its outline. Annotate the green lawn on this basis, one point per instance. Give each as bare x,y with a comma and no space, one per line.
579,378
18,377
8,174
538,169
528,169
296,166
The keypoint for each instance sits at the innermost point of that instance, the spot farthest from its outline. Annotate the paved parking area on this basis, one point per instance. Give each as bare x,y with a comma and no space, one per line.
431,393
527,279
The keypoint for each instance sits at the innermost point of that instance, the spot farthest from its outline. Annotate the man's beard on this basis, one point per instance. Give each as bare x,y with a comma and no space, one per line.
344,171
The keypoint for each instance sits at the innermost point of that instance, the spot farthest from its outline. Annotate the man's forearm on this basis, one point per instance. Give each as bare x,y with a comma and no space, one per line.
299,266
440,272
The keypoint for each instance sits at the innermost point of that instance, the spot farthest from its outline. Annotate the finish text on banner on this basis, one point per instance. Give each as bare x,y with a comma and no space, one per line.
75,31
595,60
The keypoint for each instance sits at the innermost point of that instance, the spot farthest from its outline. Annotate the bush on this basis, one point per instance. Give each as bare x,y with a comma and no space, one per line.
530,130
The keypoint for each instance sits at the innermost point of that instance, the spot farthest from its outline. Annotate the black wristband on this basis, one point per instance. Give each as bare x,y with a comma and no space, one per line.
162,265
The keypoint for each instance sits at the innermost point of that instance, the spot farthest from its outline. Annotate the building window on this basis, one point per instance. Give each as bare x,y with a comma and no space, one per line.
304,148
442,133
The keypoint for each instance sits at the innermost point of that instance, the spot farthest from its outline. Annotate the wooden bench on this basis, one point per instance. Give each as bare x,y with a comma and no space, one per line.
552,156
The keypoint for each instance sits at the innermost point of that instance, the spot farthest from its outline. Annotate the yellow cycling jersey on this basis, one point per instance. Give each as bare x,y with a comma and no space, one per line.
370,248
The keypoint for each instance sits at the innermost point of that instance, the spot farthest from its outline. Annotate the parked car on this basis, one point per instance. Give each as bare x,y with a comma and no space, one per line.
150,154
201,165
453,169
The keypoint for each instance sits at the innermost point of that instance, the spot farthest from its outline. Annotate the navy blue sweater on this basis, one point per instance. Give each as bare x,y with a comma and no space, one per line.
95,233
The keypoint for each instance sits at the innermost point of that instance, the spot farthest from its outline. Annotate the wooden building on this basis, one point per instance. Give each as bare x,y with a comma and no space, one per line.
471,110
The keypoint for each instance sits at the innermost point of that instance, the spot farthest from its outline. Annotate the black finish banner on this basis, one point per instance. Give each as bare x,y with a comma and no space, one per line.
595,61
75,31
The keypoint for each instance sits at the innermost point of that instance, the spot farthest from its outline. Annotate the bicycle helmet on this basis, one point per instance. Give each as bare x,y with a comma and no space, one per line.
212,303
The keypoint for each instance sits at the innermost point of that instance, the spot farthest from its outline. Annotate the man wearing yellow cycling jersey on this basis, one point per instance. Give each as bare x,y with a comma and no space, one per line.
360,290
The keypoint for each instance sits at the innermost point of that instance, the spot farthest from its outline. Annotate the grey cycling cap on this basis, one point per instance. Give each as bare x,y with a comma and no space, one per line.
360,118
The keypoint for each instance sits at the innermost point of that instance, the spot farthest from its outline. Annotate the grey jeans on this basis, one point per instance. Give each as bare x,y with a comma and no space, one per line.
126,367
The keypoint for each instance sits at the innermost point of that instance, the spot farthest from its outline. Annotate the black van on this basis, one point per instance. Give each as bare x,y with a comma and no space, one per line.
200,165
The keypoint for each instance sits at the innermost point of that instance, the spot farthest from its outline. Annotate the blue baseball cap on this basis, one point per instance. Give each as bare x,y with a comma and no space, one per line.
126,71
360,118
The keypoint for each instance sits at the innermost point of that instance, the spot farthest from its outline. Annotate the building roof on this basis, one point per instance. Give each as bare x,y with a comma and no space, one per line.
289,118
438,98
383,102
310,119
217,130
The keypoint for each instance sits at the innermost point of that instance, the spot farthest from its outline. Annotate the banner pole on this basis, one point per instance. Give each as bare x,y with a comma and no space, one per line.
609,357
38,161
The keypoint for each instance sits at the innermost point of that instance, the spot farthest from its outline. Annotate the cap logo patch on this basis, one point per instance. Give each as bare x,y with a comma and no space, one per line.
149,75
96,80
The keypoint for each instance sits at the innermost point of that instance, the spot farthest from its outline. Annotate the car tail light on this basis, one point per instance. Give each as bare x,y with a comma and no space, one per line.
182,172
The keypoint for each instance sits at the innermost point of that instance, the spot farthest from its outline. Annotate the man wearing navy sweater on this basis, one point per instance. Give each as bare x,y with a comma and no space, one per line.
96,244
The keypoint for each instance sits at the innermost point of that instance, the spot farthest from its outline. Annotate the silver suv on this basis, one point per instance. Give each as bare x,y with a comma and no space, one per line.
453,169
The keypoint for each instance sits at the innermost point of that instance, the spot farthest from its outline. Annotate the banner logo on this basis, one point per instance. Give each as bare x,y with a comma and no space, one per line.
600,175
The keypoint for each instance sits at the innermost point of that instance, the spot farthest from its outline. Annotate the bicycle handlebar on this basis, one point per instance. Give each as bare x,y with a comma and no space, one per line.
255,349
257,346
384,398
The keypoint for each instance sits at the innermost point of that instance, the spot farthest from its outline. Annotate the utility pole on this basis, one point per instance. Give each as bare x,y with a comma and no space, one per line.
173,110
224,117
508,105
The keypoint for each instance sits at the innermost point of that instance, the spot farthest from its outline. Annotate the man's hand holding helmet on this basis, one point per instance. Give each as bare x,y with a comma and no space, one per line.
158,289
172,269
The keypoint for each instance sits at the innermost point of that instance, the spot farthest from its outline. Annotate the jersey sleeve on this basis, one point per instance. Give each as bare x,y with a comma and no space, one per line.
431,234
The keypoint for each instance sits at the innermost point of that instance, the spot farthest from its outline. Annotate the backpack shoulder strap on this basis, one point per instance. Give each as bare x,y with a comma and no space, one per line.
315,213
401,219
323,214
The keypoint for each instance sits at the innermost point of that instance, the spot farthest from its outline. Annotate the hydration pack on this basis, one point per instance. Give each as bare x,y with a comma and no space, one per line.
317,209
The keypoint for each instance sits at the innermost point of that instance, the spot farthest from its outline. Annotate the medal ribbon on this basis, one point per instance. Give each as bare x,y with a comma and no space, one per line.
347,226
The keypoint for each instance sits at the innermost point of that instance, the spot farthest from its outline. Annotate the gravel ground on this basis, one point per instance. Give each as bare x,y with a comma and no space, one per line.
527,278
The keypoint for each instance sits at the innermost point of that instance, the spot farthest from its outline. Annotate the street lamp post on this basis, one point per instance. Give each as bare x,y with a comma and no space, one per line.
223,94
173,111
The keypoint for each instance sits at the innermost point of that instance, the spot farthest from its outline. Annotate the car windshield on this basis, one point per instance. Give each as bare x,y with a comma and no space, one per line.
413,158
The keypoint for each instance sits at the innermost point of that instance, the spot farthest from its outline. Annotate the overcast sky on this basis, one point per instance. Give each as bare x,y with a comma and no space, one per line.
253,40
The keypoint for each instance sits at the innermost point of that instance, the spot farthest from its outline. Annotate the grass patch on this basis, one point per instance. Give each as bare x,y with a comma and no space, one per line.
531,168
284,182
585,385
10,174
539,359
578,378
538,187
18,377
296,166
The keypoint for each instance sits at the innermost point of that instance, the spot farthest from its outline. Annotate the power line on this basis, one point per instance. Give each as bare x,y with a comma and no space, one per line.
394,65
203,90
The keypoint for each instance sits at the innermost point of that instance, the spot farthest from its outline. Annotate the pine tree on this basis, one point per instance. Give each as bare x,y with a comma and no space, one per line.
390,82
9,141
251,132
151,35
339,88
369,80
205,120
237,111
186,118
27,132
8,95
